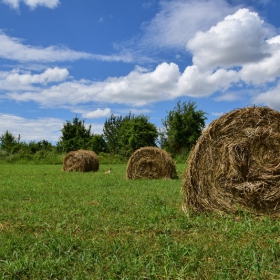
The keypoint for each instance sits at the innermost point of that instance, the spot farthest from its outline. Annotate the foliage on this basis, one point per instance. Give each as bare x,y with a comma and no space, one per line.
111,132
105,158
59,225
126,134
8,141
47,157
19,151
25,157
182,127
183,157
75,136
98,144
43,145
121,135
135,133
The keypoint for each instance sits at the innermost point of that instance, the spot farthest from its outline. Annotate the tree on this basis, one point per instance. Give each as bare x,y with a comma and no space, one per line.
8,141
75,136
124,135
182,127
98,144
35,147
111,131
136,132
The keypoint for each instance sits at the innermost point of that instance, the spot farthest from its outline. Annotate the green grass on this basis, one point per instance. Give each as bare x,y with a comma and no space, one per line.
57,225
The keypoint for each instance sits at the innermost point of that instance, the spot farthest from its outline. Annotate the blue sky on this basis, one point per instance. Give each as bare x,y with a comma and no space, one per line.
94,58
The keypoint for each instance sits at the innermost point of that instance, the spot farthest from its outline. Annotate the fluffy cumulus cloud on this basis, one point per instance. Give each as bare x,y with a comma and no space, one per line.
178,21
195,83
237,40
16,80
50,75
266,70
234,51
32,3
137,88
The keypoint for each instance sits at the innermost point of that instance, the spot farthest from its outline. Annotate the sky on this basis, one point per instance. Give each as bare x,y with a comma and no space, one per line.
92,58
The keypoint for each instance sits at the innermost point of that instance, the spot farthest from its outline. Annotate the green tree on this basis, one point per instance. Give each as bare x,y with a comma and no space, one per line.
136,132
124,135
8,141
111,132
74,136
182,127
98,144
35,147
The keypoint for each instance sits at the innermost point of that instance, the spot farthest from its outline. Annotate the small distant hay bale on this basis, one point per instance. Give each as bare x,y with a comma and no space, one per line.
151,163
81,160
235,164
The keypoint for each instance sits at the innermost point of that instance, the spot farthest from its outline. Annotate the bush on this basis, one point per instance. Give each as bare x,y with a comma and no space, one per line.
105,158
48,157
182,158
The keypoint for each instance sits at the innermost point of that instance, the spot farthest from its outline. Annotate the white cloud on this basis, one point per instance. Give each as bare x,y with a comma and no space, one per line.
32,3
267,69
38,129
270,98
178,21
31,129
13,3
16,80
97,128
99,113
237,40
137,88
195,83
14,49
50,75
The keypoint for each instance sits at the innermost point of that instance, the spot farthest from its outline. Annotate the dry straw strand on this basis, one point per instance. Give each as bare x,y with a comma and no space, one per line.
81,160
151,163
235,164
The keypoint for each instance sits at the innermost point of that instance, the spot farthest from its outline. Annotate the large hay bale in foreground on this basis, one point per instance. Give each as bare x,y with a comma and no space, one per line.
235,164
151,163
81,160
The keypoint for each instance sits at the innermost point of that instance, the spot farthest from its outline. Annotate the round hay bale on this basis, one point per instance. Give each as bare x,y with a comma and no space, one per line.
235,164
151,163
81,160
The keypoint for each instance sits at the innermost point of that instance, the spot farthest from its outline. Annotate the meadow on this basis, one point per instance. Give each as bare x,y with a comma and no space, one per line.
58,225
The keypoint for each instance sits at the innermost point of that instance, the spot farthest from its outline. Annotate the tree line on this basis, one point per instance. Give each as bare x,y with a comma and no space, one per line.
122,135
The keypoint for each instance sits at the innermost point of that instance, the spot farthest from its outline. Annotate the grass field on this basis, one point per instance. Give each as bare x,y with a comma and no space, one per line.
57,225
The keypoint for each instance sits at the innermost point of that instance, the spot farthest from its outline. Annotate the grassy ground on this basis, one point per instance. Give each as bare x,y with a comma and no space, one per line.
56,225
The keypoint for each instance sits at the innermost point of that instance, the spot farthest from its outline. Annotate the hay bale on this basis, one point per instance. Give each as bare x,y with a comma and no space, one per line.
151,163
81,160
235,164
